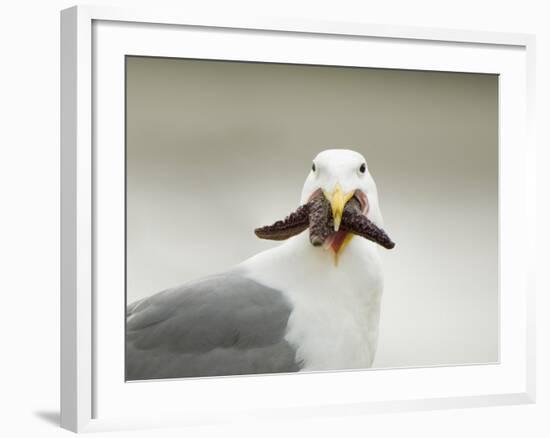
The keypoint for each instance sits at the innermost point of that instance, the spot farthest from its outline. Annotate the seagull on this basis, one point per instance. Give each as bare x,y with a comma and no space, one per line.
300,306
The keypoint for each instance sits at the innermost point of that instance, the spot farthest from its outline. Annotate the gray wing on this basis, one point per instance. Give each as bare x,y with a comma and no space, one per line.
220,325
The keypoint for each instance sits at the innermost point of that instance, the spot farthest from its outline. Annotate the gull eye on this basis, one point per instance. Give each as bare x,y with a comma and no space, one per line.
313,167
363,168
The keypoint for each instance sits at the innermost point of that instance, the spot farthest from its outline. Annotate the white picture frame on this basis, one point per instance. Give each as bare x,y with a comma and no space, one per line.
94,41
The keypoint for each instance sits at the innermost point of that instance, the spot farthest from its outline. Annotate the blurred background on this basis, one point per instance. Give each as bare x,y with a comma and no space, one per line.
215,149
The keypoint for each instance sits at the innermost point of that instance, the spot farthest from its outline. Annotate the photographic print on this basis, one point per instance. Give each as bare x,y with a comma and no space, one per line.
287,218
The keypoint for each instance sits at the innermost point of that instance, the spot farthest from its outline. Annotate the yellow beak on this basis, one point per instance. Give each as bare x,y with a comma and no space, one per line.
337,201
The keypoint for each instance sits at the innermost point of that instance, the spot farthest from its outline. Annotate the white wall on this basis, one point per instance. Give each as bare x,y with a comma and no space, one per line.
29,184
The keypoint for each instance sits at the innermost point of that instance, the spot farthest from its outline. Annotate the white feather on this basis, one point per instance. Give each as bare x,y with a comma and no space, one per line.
336,309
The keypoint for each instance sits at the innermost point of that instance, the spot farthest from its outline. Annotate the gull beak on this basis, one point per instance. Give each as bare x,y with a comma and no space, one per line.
337,201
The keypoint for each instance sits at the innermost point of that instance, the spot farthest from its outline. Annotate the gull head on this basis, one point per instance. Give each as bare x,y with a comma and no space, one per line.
341,175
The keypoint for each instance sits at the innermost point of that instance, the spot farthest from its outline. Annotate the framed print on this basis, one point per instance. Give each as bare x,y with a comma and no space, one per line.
258,209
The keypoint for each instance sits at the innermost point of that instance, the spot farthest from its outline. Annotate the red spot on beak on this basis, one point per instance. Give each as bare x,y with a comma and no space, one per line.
336,240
